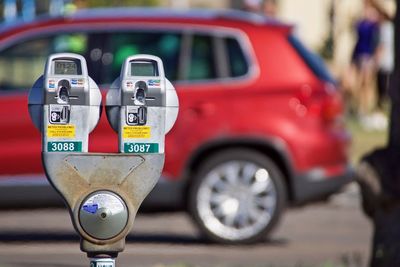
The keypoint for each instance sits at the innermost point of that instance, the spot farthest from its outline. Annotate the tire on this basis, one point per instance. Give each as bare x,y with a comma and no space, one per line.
237,196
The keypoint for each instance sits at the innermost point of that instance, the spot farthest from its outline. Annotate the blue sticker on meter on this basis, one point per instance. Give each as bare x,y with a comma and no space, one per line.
154,82
91,208
52,84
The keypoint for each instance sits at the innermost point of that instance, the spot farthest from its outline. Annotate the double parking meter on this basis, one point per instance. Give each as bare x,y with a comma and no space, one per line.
103,191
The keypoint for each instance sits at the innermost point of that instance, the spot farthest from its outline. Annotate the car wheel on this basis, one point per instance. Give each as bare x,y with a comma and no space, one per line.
237,196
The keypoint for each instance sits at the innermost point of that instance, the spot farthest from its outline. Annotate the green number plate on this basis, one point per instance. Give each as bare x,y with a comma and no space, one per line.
64,146
141,147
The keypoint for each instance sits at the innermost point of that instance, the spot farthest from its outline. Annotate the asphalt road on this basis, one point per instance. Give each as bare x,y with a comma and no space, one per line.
318,235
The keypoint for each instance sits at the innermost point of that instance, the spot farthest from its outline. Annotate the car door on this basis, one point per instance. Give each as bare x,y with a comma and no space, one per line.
20,65
212,74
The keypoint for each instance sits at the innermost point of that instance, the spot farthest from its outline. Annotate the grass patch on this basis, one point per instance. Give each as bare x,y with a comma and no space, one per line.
364,141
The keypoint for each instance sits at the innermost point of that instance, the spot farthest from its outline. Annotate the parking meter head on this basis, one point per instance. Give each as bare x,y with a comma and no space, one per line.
65,104
142,105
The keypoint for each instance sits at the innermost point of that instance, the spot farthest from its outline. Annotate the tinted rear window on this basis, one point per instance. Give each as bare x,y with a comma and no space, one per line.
313,61
237,62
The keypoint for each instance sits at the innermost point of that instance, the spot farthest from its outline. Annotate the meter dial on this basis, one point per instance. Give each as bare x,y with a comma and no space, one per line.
103,215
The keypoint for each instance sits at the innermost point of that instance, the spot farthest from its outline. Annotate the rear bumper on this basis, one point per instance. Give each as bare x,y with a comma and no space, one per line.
306,188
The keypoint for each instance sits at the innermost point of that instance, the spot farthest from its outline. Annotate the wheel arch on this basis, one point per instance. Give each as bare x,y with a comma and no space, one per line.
274,148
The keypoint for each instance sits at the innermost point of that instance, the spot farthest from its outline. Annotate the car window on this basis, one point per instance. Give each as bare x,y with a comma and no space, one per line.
314,62
164,45
202,65
22,63
238,65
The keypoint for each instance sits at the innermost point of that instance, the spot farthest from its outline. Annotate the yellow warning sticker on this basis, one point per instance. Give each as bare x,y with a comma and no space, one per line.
136,132
61,131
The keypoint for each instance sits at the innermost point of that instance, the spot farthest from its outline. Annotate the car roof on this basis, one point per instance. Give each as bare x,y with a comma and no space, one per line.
148,13
199,14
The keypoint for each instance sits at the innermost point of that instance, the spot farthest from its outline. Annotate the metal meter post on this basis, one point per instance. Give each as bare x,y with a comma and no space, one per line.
103,191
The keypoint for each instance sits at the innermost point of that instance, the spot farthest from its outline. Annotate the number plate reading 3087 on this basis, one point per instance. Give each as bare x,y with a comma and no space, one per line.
141,148
64,146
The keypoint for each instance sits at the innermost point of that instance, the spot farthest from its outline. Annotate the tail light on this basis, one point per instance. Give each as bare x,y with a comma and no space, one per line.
326,104
332,108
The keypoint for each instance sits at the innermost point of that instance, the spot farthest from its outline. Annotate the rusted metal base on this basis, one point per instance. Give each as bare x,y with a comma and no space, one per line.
77,176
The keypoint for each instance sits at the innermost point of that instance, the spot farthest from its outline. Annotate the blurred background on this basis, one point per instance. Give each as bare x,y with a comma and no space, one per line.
328,27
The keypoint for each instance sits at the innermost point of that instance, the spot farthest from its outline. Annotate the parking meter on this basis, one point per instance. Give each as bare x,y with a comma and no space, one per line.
64,104
142,105
103,191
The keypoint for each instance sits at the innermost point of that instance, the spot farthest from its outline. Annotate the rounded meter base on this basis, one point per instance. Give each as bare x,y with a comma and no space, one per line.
103,215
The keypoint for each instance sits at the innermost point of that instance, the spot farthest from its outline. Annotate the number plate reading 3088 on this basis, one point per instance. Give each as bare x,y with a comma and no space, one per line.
64,146
141,148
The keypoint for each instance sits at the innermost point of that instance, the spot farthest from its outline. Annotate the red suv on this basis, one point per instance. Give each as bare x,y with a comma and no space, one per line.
260,122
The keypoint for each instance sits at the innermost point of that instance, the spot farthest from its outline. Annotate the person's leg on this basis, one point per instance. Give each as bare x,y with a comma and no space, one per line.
368,76
381,86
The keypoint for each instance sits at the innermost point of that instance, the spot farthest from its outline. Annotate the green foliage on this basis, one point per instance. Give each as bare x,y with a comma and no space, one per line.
326,51
108,3
363,141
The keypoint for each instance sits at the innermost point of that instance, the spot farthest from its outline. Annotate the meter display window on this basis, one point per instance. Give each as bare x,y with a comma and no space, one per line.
144,68
67,67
